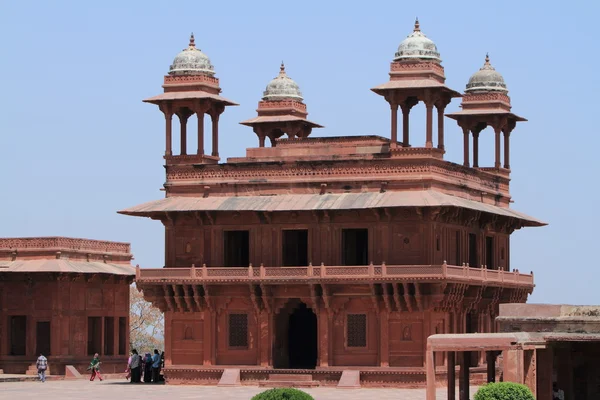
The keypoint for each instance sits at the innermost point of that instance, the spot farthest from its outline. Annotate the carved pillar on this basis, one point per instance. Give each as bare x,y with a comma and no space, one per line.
264,319
466,146
384,346
405,129
168,133
323,326
168,339
530,371
475,149
207,340
497,146
429,138
394,141
214,116
200,116
451,376
506,149
440,110
183,131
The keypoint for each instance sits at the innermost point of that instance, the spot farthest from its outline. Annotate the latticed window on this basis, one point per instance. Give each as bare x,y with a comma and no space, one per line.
238,330
357,330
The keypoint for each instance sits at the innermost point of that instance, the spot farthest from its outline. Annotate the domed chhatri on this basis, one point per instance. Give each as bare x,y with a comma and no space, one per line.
282,88
487,79
417,46
191,61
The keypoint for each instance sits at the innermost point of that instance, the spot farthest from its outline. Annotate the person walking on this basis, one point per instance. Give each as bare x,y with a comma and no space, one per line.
135,367
155,366
95,367
42,365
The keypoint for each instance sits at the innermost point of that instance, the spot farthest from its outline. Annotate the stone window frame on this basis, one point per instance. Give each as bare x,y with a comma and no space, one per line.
238,312
347,345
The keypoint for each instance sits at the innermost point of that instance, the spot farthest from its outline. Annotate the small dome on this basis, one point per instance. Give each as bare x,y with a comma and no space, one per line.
487,79
417,46
191,61
282,87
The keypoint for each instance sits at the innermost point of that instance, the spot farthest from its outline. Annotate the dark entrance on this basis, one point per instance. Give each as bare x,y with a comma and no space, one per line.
296,337
355,246
42,337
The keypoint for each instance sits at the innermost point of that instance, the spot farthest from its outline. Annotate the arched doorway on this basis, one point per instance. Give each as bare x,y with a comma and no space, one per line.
296,337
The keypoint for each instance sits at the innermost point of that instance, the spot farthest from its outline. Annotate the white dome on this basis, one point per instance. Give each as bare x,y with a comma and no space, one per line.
282,87
417,46
191,61
487,79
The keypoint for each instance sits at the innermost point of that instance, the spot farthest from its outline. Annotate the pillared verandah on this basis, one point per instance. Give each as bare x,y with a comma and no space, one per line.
325,254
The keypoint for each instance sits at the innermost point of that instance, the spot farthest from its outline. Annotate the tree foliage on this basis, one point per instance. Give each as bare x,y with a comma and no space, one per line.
146,323
283,394
504,391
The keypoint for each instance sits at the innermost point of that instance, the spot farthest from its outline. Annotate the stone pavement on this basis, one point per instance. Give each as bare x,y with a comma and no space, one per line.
115,390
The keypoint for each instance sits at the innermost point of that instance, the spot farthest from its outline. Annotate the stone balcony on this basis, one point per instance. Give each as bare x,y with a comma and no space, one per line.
335,274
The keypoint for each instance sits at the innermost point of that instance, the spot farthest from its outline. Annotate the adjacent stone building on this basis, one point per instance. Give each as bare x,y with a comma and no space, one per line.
323,255
66,298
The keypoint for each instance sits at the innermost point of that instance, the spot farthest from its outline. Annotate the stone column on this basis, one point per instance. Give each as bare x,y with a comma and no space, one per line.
466,146
530,371
183,131
429,138
513,365
207,339
168,129
394,141
497,145
384,346
200,116
491,366
264,329
545,367
506,149
475,149
323,329
464,375
430,374
440,111
168,338
451,376
215,134
405,128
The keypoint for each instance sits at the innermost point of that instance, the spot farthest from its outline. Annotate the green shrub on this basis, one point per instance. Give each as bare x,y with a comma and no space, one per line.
283,394
504,391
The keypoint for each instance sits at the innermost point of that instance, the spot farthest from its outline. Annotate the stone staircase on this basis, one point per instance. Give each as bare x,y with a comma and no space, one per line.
289,380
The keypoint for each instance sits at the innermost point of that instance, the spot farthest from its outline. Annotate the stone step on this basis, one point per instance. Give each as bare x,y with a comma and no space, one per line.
289,380
290,377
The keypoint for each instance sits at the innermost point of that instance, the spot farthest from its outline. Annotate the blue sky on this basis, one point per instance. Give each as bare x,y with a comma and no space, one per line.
78,144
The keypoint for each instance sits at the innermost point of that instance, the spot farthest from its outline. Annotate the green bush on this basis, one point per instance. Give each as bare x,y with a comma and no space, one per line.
504,391
283,394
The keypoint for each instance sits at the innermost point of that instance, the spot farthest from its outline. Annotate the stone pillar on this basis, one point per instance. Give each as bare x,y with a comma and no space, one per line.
440,111
475,149
545,367
430,374
384,346
466,146
200,116
215,134
464,375
168,129
564,371
264,329
506,150
207,339
513,365
183,131
451,375
530,371
405,128
394,141
323,329
429,138
497,146
168,338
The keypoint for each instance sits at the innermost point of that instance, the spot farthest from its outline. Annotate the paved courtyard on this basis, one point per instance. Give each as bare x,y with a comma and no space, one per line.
114,390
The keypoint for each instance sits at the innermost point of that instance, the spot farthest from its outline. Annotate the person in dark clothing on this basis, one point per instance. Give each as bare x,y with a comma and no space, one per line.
135,367
147,368
155,366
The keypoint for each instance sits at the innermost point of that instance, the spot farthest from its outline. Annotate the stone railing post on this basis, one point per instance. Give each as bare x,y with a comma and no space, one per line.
310,270
193,271
444,269
371,269
204,271
383,269
323,272
250,271
262,270
137,272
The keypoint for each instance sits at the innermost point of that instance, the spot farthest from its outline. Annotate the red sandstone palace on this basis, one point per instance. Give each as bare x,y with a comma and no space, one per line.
324,255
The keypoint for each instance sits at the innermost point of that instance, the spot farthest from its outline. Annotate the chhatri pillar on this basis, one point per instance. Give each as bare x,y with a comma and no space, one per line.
417,75
281,111
191,88
484,104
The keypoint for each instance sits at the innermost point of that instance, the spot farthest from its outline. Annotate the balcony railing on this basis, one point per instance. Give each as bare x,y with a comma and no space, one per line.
369,273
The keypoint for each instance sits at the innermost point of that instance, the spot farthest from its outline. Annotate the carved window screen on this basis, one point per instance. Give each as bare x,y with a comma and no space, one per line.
238,330
357,330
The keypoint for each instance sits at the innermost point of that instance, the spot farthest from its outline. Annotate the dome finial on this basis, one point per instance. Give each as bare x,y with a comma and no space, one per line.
282,69
417,25
487,58
192,40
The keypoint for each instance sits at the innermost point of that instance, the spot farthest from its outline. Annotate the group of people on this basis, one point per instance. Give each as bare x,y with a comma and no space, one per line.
146,367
